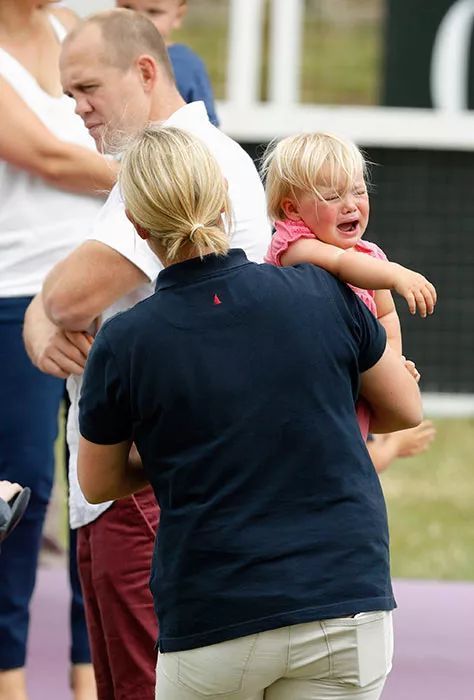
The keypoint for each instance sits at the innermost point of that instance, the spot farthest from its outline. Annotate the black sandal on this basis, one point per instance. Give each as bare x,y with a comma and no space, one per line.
17,506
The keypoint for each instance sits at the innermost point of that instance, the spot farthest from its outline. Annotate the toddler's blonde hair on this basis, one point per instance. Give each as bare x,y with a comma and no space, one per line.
305,163
174,188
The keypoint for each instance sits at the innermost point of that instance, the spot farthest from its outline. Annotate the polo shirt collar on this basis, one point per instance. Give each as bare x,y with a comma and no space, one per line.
194,269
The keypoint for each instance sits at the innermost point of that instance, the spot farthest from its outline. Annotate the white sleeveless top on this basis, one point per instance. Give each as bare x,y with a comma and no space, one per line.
39,224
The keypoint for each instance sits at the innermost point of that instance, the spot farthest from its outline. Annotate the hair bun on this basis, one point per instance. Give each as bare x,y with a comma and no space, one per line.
194,229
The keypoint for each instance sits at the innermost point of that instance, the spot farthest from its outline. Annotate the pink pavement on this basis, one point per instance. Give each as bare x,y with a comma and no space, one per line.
434,640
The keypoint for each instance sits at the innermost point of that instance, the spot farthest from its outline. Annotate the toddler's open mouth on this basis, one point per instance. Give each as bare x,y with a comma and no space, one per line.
348,226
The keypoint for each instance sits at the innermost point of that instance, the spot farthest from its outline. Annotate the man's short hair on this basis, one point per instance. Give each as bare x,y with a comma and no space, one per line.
127,34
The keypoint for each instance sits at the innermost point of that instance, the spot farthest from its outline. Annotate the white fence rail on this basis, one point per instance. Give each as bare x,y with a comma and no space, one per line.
448,405
367,126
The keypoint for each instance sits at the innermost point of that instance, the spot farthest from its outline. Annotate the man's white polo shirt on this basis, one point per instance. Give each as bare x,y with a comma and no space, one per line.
250,231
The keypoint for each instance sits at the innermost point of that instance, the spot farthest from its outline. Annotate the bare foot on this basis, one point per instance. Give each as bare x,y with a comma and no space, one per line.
83,682
13,685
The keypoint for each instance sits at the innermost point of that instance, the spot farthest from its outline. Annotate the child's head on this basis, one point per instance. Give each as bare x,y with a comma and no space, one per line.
321,179
166,15
175,194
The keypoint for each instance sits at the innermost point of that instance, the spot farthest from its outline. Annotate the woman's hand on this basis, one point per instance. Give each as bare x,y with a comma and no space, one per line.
411,367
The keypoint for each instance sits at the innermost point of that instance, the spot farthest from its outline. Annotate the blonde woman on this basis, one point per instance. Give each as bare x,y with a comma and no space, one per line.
236,383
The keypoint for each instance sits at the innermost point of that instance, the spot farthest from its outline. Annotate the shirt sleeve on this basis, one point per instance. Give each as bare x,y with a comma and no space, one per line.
112,228
285,234
104,407
371,249
372,337
368,333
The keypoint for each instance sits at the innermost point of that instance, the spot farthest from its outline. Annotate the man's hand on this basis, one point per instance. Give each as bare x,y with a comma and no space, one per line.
417,290
52,350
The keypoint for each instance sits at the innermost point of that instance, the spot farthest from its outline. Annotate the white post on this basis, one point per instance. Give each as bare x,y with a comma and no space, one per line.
285,50
450,58
245,51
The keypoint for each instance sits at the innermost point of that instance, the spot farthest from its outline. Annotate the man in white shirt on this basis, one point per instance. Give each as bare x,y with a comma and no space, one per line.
116,67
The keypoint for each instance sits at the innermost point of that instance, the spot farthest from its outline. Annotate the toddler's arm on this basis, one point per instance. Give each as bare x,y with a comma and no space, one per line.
388,317
365,272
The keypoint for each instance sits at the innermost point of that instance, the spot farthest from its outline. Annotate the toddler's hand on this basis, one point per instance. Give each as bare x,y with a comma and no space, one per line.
415,440
419,293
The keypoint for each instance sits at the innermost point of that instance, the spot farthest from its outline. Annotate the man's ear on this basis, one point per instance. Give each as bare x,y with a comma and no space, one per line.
148,69
142,232
290,208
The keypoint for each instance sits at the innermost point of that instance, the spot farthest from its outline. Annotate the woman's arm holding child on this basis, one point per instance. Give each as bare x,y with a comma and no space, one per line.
109,472
365,272
391,389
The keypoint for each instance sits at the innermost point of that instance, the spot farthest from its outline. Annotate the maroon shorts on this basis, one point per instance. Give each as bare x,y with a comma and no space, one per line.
114,556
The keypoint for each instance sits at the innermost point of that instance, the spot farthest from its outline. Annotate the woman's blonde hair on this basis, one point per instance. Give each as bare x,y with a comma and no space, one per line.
305,163
173,187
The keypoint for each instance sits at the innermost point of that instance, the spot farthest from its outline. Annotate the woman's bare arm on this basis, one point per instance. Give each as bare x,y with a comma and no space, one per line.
108,472
392,393
26,143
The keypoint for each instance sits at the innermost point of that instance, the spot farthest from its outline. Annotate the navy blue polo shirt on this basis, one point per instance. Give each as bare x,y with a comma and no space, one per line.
237,382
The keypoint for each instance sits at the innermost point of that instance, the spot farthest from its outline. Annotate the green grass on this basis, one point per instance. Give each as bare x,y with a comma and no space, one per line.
340,65
430,504
207,35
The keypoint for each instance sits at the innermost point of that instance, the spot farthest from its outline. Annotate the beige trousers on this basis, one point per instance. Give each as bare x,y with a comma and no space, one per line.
347,657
